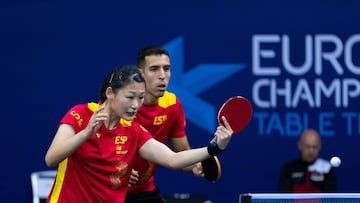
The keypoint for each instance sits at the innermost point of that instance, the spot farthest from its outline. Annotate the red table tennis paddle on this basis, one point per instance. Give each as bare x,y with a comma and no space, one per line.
238,112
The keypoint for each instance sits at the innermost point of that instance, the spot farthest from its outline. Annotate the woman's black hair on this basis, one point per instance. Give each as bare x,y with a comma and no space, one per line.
120,77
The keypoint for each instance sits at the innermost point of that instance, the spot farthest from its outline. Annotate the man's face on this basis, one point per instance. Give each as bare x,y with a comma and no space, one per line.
309,147
156,73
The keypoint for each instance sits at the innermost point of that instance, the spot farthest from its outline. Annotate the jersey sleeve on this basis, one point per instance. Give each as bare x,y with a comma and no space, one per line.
179,121
76,117
144,135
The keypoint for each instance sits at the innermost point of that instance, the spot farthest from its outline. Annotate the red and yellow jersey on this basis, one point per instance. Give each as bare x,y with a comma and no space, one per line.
98,171
163,120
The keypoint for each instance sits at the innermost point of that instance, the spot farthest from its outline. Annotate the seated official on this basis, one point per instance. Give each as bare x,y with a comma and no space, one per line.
308,173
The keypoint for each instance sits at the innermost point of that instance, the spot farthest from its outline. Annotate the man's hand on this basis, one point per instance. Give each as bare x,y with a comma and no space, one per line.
134,177
197,170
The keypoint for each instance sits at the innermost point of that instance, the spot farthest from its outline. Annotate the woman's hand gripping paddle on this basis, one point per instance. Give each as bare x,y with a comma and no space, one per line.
238,112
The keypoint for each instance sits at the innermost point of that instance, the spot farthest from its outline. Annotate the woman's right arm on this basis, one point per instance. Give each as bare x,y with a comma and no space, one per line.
64,144
66,141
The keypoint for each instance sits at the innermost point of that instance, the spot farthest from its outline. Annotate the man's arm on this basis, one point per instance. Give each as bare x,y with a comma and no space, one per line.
284,184
330,181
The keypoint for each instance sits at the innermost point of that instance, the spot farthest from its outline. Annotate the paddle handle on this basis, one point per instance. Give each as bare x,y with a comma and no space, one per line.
214,140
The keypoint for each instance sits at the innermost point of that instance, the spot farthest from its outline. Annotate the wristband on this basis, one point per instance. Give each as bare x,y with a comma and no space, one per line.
213,149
